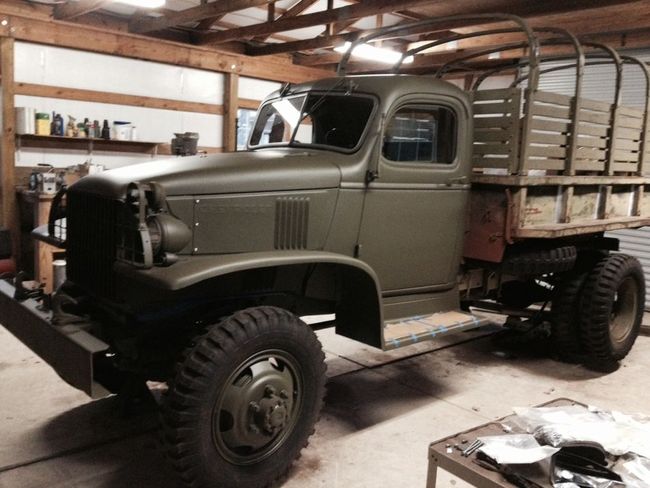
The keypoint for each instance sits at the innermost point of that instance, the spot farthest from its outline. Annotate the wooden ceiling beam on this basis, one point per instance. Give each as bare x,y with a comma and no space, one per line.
72,9
205,24
357,11
194,14
422,62
297,8
531,10
228,25
321,42
42,29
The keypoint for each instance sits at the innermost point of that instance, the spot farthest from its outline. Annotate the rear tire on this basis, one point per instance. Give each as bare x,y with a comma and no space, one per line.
565,316
245,400
611,308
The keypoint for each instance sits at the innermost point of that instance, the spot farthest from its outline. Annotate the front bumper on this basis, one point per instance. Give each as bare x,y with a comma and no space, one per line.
69,349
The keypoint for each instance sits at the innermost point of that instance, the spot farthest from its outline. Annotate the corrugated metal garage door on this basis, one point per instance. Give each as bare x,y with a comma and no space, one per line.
636,242
599,85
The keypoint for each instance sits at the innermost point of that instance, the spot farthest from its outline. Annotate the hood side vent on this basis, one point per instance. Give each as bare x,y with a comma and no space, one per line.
291,222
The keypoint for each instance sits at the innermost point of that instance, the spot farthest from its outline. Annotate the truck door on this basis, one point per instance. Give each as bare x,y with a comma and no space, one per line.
413,221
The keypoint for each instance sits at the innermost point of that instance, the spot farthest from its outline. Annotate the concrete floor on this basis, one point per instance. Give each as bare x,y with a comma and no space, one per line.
382,410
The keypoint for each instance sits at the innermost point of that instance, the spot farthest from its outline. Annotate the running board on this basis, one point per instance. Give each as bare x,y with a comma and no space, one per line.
421,328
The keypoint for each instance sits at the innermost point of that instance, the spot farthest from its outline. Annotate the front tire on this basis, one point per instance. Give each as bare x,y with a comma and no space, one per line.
611,308
245,400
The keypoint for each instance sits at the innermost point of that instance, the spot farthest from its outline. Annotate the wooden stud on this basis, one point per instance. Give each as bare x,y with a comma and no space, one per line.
230,105
115,98
8,203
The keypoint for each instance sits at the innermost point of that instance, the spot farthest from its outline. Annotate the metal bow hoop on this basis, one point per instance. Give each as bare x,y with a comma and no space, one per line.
403,29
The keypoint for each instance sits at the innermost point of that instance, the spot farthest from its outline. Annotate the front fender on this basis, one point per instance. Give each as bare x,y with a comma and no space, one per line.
358,304
190,270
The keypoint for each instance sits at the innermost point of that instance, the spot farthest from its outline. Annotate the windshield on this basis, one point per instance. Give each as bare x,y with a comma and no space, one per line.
336,121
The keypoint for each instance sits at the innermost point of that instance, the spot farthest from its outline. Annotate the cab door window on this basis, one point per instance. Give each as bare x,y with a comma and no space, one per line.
421,135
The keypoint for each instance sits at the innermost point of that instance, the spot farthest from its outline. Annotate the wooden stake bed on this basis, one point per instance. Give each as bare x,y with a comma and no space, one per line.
548,166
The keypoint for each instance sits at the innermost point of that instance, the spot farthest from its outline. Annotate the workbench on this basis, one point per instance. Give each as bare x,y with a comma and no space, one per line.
443,454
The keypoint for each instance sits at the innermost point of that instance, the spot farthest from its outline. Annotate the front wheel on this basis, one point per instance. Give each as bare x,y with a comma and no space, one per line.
245,400
611,308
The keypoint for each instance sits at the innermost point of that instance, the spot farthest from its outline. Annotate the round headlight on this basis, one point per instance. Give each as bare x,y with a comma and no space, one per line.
168,234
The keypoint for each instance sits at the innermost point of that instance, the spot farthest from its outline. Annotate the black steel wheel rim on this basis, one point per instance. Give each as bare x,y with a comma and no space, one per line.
624,310
258,407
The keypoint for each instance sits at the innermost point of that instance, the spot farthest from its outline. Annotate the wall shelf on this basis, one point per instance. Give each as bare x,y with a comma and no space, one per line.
90,145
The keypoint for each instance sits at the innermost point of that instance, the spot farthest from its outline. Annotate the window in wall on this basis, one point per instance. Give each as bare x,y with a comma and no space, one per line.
245,123
421,134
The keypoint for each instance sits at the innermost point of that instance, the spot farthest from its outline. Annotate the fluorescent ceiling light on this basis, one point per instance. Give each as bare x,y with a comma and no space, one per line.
372,53
143,3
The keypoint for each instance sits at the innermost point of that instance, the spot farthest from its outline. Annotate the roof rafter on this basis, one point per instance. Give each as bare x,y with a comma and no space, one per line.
194,14
71,10
374,7
296,9
525,9
357,11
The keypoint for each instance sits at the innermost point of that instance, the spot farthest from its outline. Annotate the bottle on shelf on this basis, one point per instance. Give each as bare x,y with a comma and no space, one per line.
58,125
106,130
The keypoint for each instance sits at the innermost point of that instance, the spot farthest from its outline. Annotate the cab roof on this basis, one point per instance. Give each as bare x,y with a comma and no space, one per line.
385,86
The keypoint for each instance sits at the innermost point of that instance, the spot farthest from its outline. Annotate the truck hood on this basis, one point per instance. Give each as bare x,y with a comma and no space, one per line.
238,172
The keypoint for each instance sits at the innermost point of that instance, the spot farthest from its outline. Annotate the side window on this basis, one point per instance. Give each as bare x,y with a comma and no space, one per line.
423,134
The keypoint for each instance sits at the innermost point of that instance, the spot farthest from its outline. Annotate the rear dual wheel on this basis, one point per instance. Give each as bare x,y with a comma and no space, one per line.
597,311
245,400
611,308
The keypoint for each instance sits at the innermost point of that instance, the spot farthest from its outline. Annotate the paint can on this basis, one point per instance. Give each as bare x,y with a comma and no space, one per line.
58,273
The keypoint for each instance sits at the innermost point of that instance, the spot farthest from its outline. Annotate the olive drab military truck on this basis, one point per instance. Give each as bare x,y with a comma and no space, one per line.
401,204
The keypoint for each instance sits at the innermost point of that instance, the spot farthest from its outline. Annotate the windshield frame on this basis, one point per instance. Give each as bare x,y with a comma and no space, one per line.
306,94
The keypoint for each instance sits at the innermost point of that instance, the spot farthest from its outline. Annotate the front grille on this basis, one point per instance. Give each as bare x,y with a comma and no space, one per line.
91,241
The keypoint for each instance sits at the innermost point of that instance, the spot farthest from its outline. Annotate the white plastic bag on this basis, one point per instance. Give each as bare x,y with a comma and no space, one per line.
515,449
617,433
